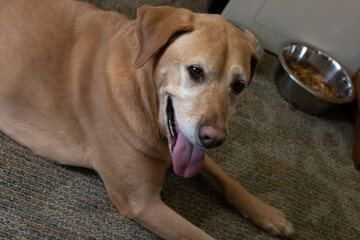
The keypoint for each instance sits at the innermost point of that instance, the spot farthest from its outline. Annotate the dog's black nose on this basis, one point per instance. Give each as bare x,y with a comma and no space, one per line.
211,137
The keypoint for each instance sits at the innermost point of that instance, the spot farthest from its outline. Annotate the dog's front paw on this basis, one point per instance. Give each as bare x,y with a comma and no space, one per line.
269,218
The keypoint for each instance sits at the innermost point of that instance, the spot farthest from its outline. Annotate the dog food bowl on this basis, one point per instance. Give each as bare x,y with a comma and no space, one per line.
311,80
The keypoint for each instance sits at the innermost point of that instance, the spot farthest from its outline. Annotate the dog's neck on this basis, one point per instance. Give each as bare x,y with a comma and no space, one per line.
140,89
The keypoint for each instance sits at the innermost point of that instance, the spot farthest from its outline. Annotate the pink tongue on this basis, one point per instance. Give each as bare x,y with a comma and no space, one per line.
188,159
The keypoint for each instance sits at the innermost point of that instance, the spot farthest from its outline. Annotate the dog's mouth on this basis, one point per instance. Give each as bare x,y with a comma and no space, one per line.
171,121
187,158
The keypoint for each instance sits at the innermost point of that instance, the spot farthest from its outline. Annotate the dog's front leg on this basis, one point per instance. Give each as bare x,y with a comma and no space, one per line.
135,191
262,214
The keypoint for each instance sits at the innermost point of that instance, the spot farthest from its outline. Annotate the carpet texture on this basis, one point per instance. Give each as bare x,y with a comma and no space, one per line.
299,163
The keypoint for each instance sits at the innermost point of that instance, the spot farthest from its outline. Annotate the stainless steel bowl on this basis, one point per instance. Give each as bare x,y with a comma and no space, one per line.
300,95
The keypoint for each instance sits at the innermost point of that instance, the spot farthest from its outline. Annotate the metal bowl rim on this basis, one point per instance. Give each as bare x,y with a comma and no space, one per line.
299,82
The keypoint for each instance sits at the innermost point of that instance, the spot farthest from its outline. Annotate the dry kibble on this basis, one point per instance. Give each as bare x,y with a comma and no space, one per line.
291,107
312,78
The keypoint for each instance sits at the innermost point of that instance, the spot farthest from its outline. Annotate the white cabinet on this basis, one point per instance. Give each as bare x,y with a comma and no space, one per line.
331,25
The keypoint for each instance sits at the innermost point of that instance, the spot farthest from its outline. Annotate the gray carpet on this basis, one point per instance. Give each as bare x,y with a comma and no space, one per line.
128,7
299,163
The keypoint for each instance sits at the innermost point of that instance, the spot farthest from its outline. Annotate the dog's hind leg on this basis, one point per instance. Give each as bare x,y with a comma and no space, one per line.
260,213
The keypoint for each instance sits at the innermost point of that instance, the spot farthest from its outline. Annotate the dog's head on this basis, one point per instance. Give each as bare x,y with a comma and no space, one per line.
201,65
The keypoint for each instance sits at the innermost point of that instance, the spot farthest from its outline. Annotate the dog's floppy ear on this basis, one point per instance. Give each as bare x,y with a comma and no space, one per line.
258,50
253,64
156,25
256,57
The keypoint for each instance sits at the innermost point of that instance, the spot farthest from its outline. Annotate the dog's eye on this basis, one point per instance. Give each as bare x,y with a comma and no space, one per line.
195,72
237,87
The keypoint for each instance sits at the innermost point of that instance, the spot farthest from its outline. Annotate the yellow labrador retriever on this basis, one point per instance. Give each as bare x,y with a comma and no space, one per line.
128,98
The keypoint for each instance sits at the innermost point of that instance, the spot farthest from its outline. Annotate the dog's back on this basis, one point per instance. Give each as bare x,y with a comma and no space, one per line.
39,90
